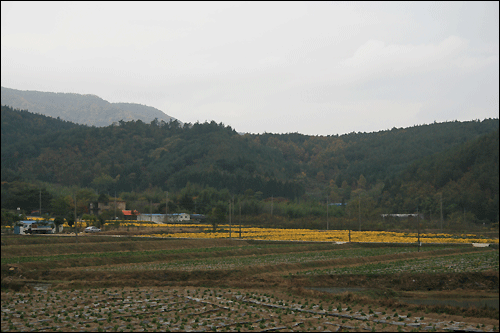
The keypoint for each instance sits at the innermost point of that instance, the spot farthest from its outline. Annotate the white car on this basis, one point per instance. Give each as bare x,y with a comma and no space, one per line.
92,229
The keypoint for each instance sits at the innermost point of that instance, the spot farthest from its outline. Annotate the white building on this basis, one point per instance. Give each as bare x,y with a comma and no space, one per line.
180,217
401,216
155,218
162,218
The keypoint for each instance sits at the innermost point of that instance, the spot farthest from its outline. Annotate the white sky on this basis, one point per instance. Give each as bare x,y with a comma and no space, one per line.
313,68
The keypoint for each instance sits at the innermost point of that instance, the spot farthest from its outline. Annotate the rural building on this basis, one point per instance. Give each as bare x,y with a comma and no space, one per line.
99,207
179,217
162,218
403,216
157,218
198,217
130,214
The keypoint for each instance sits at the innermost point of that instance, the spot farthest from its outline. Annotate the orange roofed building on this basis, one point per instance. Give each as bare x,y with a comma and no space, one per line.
130,214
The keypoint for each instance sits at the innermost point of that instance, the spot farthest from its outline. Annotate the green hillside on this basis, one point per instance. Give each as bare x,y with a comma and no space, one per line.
135,156
465,176
394,171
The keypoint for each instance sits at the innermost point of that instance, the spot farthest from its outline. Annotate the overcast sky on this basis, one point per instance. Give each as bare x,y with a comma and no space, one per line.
313,68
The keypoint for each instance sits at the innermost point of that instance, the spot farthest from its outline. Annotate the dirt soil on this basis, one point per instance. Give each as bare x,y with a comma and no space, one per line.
215,309
253,298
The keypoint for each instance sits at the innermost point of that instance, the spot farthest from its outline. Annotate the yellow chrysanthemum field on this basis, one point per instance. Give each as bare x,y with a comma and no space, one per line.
305,235
225,231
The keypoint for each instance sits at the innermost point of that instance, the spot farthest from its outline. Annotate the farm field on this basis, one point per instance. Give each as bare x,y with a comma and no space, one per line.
105,283
279,234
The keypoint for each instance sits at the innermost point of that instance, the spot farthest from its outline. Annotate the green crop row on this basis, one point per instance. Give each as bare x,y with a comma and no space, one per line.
142,253
280,258
465,262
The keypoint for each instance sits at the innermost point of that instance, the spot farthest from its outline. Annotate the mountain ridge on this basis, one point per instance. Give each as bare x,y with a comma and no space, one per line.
85,109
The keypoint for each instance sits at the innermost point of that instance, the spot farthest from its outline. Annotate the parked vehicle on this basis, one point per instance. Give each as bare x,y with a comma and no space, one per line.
92,229
34,227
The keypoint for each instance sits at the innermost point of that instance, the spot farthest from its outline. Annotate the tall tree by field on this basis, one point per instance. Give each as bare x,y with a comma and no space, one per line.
217,216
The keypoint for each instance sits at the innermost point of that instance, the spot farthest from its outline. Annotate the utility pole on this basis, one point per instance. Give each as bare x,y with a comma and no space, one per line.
359,211
327,212
418,232
272,205
166,208
240,217
229,218
441,197
115,205
40,212
151,210
76,225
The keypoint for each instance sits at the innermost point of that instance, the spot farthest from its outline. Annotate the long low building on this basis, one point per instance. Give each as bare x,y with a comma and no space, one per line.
163,218
421,216
157,218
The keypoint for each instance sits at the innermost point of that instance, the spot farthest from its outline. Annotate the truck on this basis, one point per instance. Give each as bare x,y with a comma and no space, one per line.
34,227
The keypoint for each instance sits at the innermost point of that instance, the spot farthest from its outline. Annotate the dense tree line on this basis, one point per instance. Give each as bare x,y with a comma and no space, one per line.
465,177
135,156
205,164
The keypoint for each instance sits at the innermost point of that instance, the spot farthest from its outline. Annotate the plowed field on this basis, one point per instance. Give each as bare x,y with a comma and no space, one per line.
106,283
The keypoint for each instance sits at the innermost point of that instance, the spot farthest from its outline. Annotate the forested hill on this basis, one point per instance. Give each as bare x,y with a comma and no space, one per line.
22,125
377,156
135,156
466,177
81,109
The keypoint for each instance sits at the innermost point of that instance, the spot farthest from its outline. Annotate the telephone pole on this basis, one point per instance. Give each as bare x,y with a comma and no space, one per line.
76,225
272,204
359,211
441,197
327,212
229,218
418,232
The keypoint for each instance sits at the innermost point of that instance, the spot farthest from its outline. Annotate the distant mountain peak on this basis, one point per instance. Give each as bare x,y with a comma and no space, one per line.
86,109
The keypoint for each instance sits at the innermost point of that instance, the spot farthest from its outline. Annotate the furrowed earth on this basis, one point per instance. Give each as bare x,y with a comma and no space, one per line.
107,283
